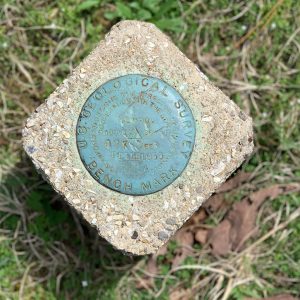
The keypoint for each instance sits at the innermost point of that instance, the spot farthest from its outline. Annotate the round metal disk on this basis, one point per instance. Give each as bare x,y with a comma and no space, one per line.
135,134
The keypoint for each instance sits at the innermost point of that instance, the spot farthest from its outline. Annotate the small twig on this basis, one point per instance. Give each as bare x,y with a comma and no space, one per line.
287,43
23,281
292,217
228,289
193,267
262,23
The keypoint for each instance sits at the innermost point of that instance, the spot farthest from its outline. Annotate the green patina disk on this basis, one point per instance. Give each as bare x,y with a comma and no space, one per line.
135,134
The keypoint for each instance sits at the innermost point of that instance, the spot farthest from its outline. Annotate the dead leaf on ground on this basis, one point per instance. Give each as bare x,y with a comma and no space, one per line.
234,182
181,294
229,235
162,250
238,224
185,240
198,217
201,236
217,201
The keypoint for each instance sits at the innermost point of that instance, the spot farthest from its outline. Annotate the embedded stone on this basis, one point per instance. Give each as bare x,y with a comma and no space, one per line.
137,138
162,235
171,221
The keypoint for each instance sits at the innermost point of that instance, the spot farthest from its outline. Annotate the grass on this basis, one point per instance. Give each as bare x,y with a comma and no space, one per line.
250,49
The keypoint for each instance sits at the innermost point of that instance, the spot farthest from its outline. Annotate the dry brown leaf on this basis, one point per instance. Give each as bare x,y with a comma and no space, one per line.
184,237
180,294
201,236
198,217
234,182
239,223
219,238
215,203
162,250
151,266
185,240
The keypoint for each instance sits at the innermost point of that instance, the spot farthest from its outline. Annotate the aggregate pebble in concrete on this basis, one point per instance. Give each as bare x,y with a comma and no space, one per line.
138,224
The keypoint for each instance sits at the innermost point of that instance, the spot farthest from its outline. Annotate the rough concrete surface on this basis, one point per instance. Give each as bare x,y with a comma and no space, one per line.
138,224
